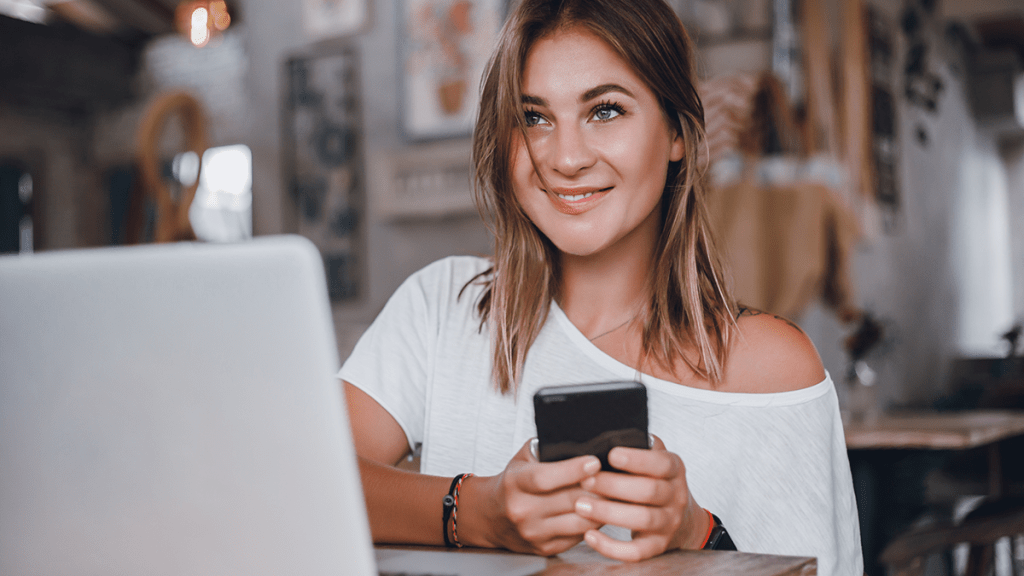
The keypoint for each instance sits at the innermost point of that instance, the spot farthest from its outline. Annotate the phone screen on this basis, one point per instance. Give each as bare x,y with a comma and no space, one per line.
590,419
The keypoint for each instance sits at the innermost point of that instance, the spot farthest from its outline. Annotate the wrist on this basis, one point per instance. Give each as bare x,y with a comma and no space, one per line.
700,526
474,525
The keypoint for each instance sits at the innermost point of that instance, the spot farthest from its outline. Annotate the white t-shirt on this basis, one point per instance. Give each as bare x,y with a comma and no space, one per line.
773,467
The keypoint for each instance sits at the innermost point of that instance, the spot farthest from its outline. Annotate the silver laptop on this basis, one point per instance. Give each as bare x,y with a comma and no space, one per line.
174,410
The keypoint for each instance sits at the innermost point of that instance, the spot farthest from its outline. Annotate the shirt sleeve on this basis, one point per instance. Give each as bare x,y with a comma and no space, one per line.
773,467
391,361
791,485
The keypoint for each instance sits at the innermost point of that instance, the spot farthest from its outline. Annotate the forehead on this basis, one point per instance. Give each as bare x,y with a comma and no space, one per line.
576,60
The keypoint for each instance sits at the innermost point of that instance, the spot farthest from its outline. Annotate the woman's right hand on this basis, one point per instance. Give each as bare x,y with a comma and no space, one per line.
529,507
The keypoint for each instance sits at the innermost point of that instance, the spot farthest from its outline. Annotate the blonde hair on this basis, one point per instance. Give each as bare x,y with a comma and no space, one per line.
690,307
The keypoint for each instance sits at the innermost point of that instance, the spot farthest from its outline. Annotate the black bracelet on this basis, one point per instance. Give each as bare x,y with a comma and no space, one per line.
719,538
448,504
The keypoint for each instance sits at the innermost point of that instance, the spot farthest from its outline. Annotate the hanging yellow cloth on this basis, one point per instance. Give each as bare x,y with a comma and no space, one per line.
785,245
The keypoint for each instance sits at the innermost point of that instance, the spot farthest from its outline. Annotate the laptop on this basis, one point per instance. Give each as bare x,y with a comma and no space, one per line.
174,409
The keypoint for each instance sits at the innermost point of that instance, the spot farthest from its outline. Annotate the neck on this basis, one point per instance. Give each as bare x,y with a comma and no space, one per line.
601,291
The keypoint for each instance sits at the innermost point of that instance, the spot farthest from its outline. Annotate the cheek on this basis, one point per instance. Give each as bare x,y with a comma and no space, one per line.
522,173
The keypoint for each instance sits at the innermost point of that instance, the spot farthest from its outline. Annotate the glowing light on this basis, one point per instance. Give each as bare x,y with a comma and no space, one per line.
199,33
185,168
201,20
220,16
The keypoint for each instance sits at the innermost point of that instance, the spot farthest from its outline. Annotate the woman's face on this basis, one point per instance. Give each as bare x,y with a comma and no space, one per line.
599,138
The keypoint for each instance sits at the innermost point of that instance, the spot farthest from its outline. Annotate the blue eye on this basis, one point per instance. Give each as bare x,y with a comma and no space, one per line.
607,111
532,118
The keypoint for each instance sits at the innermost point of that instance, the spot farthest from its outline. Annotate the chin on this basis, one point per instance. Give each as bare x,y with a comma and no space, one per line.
578,246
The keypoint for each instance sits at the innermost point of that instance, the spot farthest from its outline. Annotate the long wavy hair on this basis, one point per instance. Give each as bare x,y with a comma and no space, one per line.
689,314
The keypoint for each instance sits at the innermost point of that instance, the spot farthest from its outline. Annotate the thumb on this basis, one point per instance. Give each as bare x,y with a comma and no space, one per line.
528,453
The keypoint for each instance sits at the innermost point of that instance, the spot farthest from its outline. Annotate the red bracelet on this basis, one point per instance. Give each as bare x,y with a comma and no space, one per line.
711,526
455,511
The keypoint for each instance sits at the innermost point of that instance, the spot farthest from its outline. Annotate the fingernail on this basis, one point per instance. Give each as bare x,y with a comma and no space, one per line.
588,483
533,448
618,458
584,507
590,537
592,466
650,440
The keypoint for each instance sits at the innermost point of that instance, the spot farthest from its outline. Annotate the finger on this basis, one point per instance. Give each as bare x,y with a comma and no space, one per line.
654,463
555,546
553,503
632,516
656,443
631,488
632,551
525,453
543,477
561,526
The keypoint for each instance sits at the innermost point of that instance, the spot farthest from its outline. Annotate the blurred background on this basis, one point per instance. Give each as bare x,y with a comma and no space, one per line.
348,121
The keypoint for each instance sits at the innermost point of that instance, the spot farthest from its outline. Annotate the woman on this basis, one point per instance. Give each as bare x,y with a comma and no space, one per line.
586,152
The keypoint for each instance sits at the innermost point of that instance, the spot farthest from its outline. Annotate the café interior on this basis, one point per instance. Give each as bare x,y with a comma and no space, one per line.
865,178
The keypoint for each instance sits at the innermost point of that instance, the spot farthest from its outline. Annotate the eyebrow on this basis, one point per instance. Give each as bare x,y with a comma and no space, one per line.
587,96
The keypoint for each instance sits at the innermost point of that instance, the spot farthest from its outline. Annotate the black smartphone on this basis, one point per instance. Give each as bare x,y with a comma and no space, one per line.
583,419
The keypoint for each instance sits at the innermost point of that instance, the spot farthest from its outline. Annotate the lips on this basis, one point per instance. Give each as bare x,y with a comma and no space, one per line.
573,201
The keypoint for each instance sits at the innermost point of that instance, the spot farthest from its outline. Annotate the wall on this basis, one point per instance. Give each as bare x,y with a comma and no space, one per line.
273,32
941,279
1013,157
56,148
239,79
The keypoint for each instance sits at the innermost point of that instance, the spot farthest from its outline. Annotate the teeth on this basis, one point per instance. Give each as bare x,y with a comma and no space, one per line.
575,198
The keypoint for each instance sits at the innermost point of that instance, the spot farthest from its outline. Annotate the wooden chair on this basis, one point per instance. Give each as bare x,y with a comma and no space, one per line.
981,529
172,223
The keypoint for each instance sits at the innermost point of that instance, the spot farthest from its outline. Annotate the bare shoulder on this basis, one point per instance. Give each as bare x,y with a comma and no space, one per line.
770,354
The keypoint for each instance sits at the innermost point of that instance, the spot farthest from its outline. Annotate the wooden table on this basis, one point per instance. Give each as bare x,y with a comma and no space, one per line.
891,454
934,430
940,431
584,561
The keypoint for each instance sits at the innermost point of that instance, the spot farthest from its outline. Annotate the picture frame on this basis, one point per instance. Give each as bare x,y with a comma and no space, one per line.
713,22
428,181
324,162
444,48
326,19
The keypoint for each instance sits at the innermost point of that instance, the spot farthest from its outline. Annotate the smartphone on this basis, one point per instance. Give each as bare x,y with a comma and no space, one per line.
590,419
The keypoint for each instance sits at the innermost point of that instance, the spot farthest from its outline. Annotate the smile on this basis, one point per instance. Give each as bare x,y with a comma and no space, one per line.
575,201
577,194
575,198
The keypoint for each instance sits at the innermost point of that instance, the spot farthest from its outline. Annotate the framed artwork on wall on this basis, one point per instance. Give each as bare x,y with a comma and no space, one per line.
324,163
884,146
426,181
445,46
718,21
325,19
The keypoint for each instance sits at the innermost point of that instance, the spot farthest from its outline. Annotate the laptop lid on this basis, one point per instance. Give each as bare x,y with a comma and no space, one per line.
174,409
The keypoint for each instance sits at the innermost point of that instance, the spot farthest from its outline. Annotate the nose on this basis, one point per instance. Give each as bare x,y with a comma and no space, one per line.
571,152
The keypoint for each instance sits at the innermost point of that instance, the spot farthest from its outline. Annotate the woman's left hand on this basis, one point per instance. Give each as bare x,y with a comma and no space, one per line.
652,499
